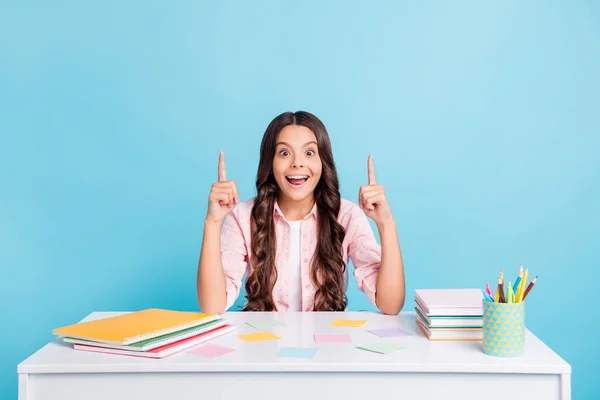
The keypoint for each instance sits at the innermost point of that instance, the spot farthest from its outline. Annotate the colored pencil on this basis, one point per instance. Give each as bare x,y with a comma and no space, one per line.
486,296
497,296
522,285
518,281
489,290
529,287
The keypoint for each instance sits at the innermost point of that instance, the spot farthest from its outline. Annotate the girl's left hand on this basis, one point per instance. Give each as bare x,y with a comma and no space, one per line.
372,199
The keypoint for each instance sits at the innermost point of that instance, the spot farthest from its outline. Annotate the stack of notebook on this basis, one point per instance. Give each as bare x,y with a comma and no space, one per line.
153,333
450,314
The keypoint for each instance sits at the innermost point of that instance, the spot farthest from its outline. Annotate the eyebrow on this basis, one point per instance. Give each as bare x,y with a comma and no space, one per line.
305,144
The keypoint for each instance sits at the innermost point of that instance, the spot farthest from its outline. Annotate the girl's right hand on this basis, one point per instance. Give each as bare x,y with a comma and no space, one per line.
223,195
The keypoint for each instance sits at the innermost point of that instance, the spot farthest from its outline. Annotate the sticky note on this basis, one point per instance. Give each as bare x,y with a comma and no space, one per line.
297,352
389,332
382,347
210,351
326,338
265,324
350,323
258,336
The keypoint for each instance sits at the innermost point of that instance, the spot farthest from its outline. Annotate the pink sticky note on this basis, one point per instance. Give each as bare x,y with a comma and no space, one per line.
327,338
210,351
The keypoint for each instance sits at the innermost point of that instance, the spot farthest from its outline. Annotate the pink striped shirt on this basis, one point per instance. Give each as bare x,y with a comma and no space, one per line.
359,244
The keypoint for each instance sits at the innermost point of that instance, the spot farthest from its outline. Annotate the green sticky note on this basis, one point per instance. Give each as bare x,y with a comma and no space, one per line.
267,324
382,347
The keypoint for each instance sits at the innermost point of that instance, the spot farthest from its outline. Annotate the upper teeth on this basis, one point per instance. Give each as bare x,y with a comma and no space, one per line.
298,176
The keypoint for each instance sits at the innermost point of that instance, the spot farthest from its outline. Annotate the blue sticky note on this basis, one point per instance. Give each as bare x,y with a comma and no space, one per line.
297,352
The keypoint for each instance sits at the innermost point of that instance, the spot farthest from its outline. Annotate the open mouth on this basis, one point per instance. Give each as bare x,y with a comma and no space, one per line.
297,181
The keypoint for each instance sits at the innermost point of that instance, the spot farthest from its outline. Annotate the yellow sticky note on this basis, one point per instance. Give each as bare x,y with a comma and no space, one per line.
350,323
258,336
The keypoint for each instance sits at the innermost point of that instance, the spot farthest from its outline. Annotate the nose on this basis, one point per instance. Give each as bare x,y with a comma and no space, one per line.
297,162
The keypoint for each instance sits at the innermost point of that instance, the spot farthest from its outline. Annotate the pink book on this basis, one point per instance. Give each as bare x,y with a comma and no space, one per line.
450,302
165,350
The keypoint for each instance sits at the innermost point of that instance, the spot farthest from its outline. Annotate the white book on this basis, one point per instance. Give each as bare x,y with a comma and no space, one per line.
450,302
450,321
449,333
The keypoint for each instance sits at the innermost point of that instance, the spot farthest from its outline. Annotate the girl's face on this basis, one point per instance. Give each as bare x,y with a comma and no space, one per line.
297,165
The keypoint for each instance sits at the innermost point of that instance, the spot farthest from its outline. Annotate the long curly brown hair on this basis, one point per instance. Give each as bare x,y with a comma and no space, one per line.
327,267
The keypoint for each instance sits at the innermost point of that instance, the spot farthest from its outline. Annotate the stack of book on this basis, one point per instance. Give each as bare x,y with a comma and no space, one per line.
152,333
450,314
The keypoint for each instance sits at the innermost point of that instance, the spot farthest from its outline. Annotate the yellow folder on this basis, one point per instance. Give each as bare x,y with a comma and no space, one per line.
134,327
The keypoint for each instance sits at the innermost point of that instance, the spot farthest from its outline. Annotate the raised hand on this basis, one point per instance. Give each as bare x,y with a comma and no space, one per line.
223,195
372,199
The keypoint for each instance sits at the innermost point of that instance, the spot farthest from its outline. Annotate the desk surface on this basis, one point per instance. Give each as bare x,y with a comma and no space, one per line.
420,354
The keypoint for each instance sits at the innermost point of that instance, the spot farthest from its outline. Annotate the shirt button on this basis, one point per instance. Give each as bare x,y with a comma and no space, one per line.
306,260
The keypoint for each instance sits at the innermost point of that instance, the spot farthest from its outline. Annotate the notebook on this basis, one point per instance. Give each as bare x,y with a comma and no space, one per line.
165,350
450,302
450,333
153,343
450,321
134,327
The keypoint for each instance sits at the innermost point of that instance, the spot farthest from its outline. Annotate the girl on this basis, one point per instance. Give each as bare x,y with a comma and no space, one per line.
294,238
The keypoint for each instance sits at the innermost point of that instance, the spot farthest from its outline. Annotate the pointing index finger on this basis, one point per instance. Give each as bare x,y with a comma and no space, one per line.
222,174
371,167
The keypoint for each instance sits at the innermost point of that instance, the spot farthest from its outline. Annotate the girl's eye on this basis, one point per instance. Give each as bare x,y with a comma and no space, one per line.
283,153
310,152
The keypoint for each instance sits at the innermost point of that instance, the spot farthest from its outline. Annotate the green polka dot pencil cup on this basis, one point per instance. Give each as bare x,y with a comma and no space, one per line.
503,328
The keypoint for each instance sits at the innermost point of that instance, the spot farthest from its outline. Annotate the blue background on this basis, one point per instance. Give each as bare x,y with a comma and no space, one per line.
482,118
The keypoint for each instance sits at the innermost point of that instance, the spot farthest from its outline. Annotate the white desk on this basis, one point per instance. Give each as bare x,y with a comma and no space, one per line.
423,370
